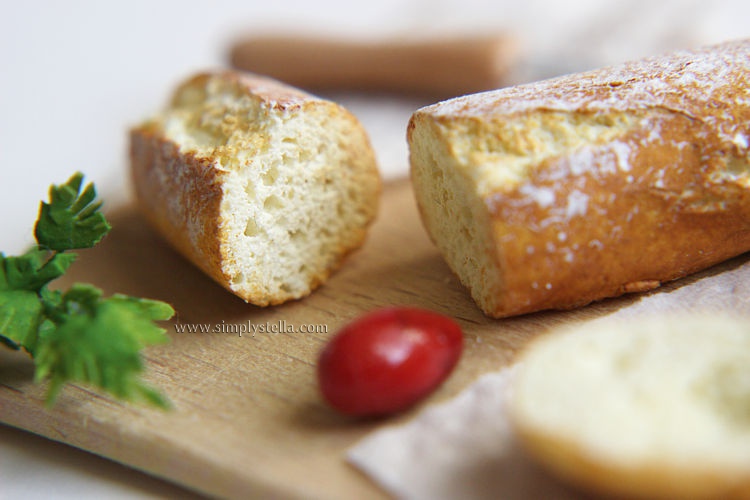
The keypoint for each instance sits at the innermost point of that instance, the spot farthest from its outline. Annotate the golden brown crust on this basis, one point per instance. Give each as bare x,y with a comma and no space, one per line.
652,481
665,224
180,195
274,92
663,196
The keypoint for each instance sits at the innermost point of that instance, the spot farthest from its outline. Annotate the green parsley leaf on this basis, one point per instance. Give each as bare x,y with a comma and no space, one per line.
99,344
20,317
76,335
71,219
21,280
32,270
152,310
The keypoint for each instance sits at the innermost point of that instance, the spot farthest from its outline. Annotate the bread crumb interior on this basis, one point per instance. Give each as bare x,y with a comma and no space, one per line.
290,206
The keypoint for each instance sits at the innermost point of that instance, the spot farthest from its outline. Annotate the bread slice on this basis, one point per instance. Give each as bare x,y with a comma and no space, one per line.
262,186
653,408
554,194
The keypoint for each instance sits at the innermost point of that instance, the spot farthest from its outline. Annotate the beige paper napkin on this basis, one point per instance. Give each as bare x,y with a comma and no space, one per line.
464,448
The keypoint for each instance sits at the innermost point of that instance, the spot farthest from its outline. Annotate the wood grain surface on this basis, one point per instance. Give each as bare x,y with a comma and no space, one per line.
247,417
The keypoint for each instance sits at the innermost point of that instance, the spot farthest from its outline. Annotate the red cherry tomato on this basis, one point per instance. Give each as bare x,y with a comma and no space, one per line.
388,360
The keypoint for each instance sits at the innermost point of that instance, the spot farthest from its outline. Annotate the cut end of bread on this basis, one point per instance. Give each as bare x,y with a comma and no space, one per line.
456,219
650,408
295,181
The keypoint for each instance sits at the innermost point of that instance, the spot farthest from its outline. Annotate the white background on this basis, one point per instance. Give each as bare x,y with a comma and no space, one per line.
75,75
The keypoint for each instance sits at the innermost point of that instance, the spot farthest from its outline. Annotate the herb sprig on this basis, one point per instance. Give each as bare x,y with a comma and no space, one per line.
76,335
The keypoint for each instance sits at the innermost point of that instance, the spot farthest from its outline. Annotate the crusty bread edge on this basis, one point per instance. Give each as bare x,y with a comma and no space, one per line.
198,186
655,481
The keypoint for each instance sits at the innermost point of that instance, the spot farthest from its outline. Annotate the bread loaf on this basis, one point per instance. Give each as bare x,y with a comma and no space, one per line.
263,187
649,408
554,194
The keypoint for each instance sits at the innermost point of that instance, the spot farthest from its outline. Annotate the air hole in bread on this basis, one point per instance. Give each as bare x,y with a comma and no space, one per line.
271,175
273,203
251,229
250,190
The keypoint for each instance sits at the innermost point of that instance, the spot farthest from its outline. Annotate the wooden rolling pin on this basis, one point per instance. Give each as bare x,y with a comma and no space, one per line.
442,67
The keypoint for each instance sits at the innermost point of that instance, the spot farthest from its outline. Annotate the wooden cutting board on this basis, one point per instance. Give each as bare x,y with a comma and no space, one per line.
247,417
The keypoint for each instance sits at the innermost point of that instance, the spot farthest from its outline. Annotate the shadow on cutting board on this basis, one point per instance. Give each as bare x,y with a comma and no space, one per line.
132,259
